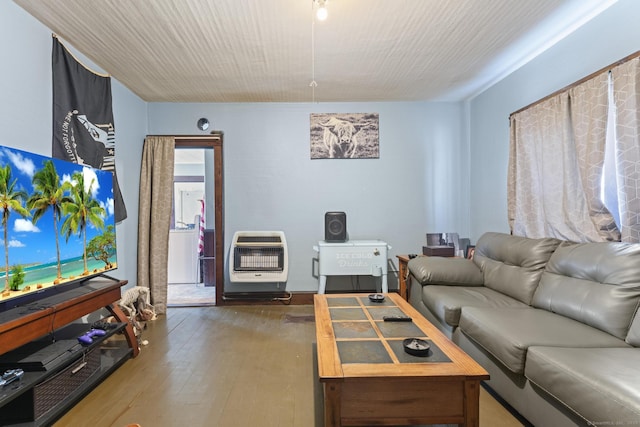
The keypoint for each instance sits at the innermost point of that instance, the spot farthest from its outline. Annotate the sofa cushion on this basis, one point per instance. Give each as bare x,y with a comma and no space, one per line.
446,302
594,283
445,271
599,384
513,265
507,333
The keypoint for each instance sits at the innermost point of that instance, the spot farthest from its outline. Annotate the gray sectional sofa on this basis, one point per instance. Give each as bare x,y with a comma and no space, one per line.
555,324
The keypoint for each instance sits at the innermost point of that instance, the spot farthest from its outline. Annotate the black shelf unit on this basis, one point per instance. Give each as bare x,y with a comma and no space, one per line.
59,372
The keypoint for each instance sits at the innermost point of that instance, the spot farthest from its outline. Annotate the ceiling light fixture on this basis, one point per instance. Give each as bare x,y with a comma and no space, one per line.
321,9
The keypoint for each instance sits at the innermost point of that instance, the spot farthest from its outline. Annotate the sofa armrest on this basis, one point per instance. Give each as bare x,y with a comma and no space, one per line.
445,271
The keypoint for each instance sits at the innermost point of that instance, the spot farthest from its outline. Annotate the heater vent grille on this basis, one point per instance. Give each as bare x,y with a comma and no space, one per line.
258,259
259,256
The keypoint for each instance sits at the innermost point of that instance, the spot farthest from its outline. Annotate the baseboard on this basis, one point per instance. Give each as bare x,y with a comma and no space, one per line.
267,298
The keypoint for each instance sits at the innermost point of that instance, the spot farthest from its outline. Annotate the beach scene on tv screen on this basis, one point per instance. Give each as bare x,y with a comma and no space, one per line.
58,222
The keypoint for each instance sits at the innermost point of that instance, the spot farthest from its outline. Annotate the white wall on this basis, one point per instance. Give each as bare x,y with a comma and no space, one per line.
416,186
26,115
607,38
25,81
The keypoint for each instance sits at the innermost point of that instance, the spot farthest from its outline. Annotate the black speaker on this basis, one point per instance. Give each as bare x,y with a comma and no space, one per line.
335,227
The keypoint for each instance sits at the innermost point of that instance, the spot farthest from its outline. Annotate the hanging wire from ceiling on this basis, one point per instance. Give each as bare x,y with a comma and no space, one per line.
319,11
313,83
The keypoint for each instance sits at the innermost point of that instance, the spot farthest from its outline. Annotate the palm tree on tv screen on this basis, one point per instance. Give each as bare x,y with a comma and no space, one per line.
11,199
80,210
48,194
102,247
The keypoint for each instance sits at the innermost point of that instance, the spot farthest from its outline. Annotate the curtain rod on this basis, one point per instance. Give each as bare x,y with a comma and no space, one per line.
192,137
582,80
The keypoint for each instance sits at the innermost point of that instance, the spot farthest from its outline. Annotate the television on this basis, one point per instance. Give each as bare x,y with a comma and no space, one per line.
58,226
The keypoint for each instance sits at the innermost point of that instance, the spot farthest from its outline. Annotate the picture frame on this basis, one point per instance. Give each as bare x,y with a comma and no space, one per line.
471,250
344,135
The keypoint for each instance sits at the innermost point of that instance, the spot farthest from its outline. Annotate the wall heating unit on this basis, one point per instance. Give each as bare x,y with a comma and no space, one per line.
259,256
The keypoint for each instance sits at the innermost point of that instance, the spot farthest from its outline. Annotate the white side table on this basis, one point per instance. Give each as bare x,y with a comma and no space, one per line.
352,258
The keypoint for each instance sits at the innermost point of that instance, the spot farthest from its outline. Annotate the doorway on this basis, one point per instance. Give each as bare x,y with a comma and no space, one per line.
196,236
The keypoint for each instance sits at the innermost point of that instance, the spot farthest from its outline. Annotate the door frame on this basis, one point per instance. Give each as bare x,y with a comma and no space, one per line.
214,140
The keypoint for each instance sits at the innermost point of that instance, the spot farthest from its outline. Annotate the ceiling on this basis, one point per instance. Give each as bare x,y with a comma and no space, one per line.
271,50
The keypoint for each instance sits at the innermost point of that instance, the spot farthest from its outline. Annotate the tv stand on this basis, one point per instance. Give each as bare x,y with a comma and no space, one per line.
48,317
23,324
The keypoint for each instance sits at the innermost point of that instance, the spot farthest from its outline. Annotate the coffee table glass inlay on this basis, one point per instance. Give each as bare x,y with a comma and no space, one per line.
361,331
368,378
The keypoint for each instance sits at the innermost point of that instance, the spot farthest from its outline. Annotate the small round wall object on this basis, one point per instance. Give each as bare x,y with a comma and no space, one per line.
416,347
376,297
203,124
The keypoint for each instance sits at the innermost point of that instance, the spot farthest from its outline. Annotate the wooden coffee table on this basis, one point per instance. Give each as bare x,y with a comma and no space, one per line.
369,379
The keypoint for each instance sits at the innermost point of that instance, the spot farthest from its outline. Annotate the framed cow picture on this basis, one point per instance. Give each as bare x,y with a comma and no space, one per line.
344,136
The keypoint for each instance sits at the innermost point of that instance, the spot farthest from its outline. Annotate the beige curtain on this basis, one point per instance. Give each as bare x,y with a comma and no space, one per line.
589,104
626,90
538,138
154,218
555,160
